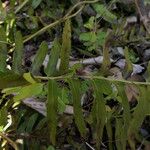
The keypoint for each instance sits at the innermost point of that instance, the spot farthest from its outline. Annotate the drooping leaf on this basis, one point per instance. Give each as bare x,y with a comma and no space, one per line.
8,91
98,110
18,53
119,133
66,48
9,79
3,50
29,91
39,58
139,114
53,58
109,133
124,122
106,56
29,78
75,87
52,102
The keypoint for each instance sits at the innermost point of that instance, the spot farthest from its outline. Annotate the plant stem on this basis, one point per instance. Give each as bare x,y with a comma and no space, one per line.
12,143
67,16
93,77
21,6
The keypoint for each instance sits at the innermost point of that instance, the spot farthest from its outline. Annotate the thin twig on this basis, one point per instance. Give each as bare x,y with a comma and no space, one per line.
21,6
89,146
67,16
4,42
78,4
12,143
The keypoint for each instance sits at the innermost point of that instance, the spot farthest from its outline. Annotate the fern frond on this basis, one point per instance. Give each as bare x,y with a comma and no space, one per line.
66,48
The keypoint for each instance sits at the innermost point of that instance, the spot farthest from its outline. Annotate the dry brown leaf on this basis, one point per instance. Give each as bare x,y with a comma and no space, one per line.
131,90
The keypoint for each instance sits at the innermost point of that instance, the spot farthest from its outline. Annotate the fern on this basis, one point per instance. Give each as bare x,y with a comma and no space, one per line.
126,117
52,101
106,58
98,111
18,53
142,109
66,48
128,66
53,59
39,58
76,96
3,50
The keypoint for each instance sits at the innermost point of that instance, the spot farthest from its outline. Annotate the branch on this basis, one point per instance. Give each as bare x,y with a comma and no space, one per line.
67,16
91,78
12,143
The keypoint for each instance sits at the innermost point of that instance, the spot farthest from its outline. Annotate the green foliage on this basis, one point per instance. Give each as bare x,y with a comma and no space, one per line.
3,49
90,23
18,53
98,111
128,67
51,69
50,148
10,79
29,91
102,11
39,58
36,3
95,121
66,47
122,124
52,102
95,38
142,109
62,100
3,120
76,96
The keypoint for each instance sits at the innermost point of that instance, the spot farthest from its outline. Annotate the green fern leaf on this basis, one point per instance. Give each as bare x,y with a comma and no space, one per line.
124,122
128,66
39,58
66,48
10,79
53,59
99,113
29,91
3,50
109,133
75,87
142,109
52,102
119,133
18,53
